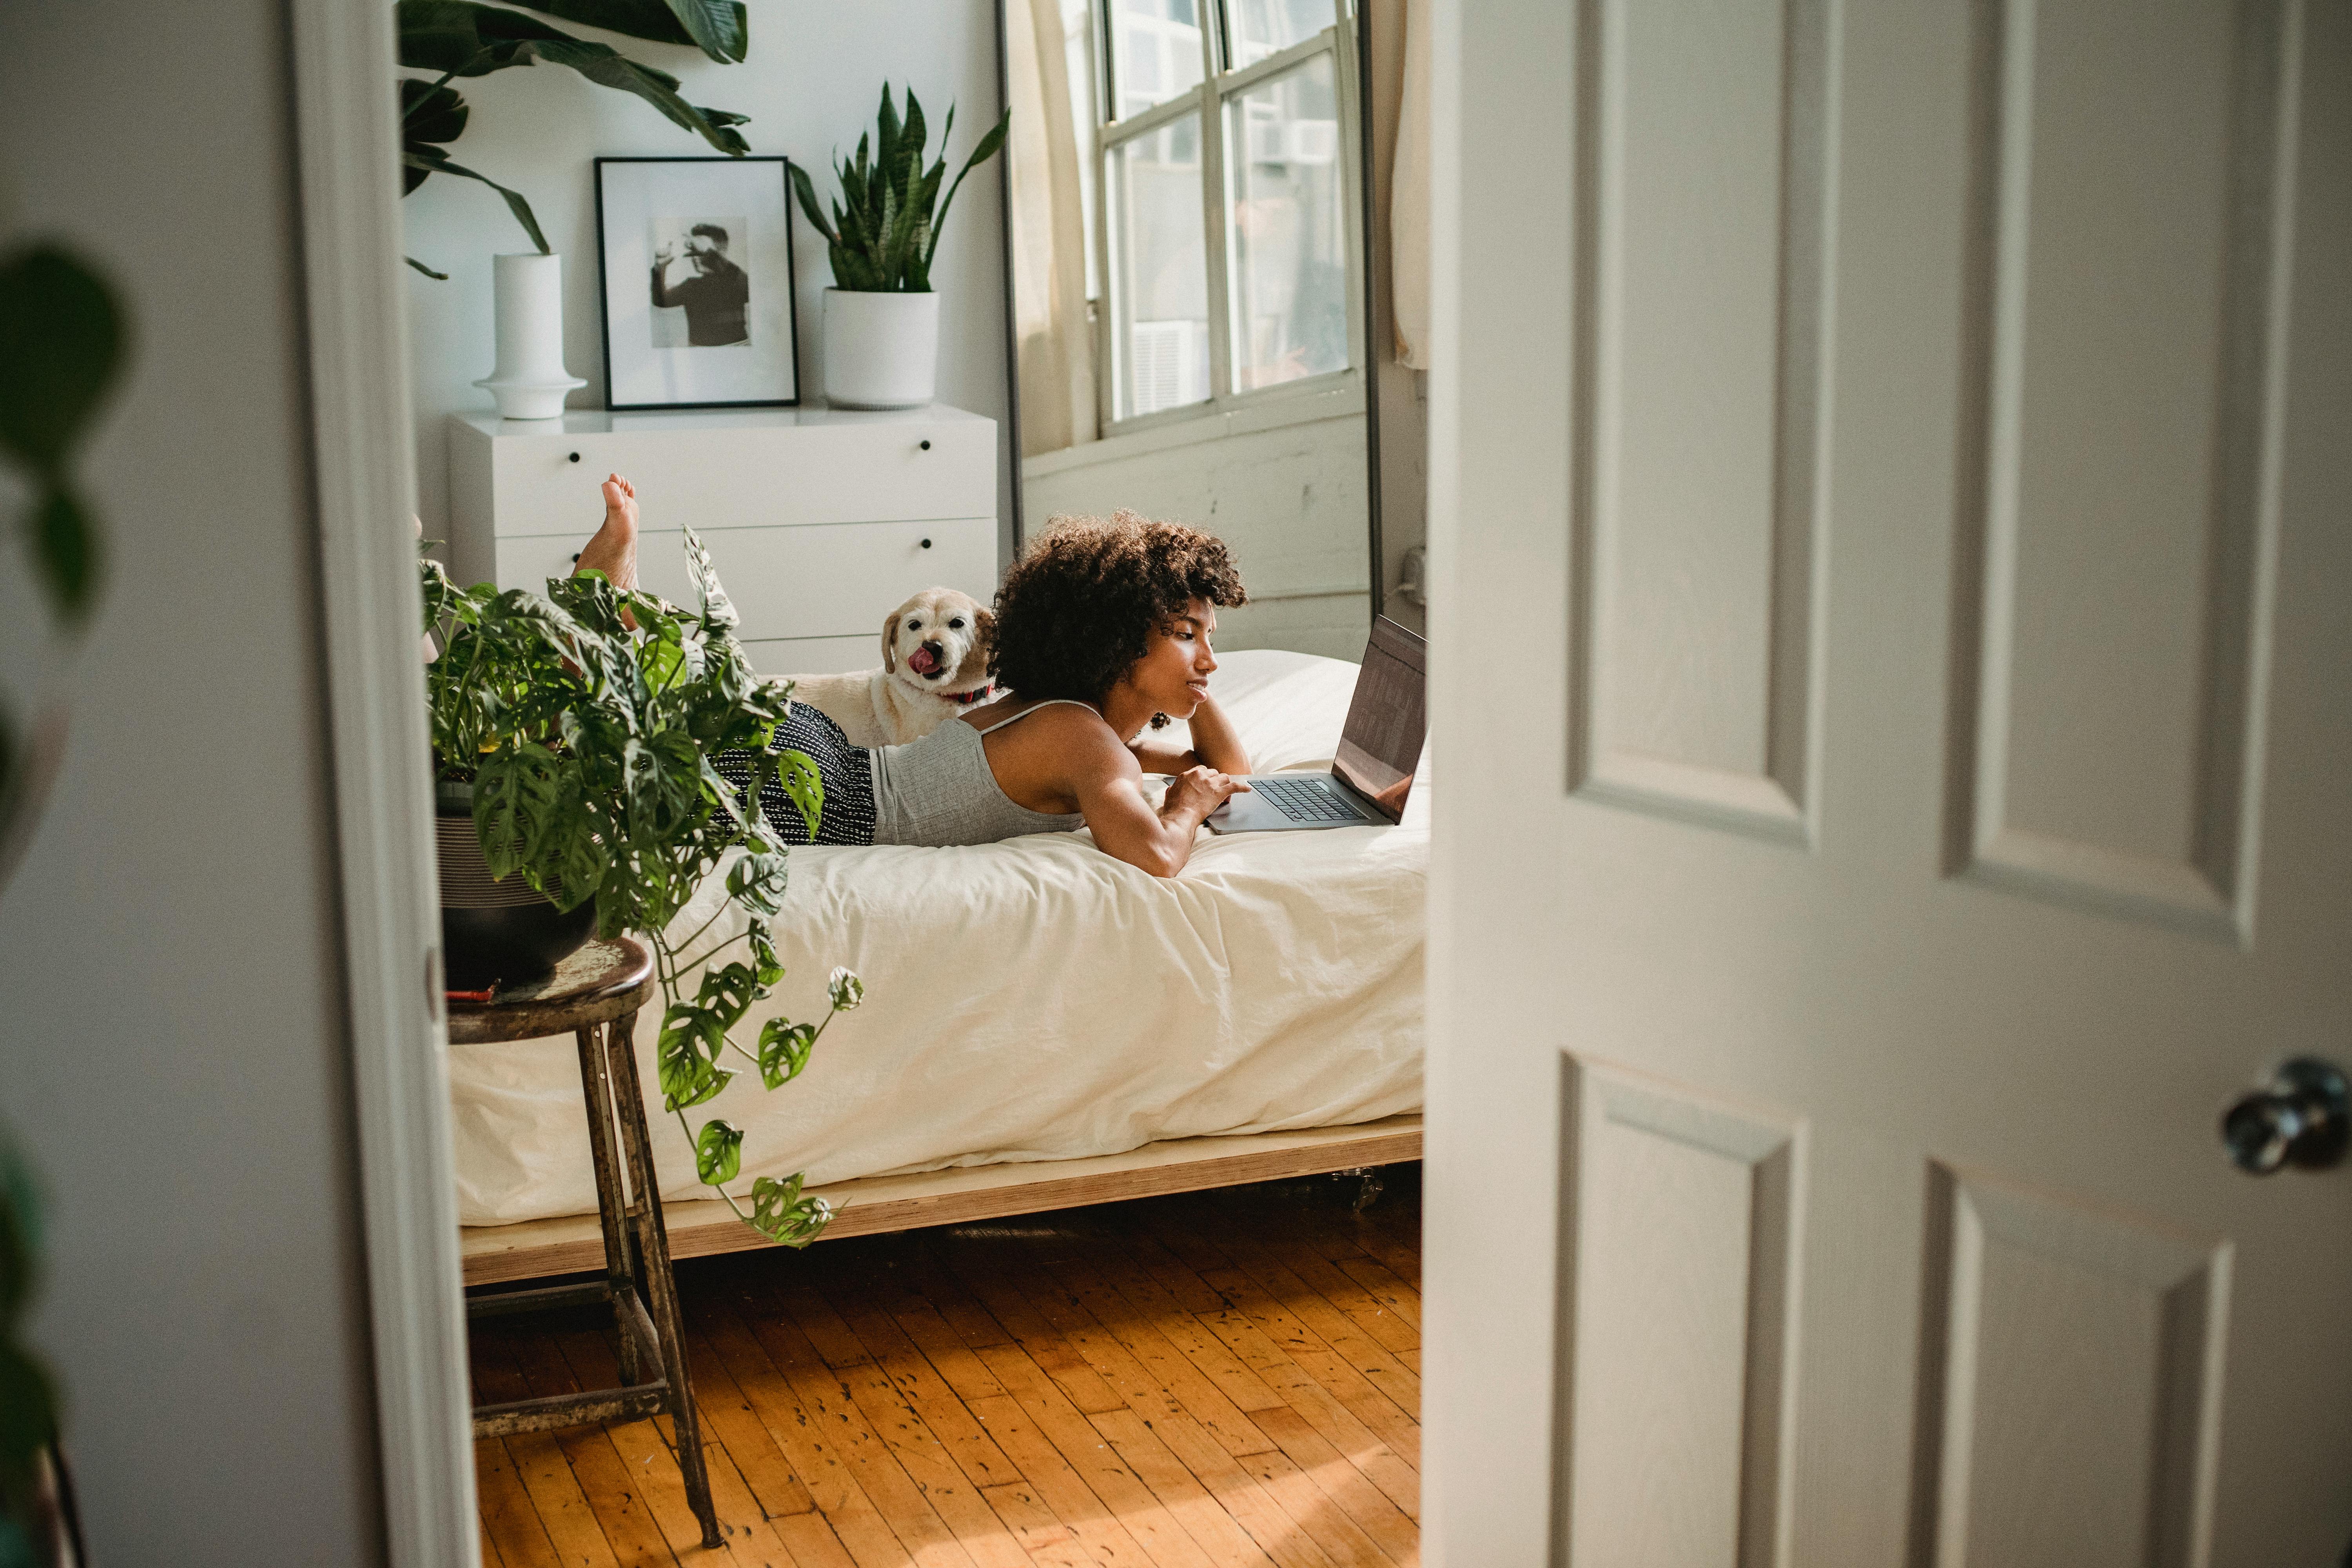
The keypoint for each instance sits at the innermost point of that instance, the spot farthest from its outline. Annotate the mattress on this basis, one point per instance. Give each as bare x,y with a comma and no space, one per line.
1036,999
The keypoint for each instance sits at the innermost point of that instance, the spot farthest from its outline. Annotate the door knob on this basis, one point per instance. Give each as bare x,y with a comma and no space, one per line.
2303,1117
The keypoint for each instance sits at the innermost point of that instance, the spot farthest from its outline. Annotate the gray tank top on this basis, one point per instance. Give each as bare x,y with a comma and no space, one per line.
939,790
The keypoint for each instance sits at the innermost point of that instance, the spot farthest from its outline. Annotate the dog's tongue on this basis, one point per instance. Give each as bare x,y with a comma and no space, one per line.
922,661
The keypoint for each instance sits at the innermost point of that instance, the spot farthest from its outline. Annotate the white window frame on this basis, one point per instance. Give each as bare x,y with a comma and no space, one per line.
1208,100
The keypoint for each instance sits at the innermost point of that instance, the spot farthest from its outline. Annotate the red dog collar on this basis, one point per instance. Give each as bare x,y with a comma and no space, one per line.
969,698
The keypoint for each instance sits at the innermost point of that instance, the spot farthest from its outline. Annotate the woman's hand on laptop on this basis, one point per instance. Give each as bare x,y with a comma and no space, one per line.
1198,791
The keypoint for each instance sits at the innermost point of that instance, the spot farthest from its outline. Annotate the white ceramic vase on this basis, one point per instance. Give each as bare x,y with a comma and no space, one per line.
530,380
881,350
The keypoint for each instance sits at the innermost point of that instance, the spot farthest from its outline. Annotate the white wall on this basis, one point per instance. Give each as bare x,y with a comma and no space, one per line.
812,84
172,1053
1290,500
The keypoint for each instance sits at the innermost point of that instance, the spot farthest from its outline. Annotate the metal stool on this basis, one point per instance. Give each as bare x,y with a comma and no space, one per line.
595,995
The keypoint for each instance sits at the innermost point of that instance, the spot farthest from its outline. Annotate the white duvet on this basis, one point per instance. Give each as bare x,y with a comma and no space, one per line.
1037,999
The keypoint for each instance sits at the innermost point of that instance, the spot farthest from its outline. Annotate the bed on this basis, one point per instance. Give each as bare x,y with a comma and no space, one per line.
1043,1025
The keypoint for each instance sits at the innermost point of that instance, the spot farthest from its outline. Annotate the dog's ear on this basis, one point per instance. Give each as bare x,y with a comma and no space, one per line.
983,640
890,641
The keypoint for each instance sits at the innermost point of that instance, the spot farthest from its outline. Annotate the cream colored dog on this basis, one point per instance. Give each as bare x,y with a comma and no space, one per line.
934,666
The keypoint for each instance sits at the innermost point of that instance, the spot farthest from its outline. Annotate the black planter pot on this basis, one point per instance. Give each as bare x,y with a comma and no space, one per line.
495,933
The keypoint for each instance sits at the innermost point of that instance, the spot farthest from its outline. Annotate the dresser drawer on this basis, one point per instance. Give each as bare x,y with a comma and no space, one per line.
823,581
759,476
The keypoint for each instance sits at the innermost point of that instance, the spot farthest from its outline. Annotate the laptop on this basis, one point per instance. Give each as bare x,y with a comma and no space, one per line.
1378,750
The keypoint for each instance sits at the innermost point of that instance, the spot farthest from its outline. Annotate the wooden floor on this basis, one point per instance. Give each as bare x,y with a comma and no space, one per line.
1226,1377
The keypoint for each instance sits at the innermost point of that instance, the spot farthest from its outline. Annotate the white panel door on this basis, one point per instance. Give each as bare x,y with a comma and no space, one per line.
1891,520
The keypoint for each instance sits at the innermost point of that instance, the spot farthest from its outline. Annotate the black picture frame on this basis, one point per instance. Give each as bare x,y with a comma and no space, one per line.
627,205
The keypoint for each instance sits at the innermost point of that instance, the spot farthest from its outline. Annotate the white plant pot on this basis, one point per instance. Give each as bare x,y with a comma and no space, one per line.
530,380
881,350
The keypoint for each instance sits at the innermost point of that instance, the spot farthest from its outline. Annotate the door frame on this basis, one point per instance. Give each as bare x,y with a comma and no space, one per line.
363,470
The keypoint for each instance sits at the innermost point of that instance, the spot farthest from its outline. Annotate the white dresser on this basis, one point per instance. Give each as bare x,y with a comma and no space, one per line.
821,520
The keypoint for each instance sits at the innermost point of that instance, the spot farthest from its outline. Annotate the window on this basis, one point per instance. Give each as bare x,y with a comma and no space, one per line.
1224,152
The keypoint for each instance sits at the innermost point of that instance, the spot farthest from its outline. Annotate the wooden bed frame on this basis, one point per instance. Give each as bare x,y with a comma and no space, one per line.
495,1254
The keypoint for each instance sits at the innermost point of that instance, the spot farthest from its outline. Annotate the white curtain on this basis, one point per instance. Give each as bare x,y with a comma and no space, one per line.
1055,345
1409,197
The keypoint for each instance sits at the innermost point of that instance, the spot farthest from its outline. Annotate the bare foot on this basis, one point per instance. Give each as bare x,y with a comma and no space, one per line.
614,551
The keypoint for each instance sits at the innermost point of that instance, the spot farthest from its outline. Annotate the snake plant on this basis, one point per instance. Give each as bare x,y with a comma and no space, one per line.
885,233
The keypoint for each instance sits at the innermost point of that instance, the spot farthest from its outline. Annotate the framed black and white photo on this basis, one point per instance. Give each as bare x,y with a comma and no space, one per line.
693,257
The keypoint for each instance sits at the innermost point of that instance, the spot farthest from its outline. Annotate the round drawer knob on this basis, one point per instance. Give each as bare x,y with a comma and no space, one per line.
926,446
926,544
575,555
575,457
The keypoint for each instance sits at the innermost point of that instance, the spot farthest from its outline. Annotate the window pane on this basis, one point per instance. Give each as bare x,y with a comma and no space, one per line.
1290,245
1262,28
1155,52
1161,251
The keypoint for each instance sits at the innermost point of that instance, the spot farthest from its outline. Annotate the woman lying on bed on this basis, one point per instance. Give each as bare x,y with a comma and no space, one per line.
1103,634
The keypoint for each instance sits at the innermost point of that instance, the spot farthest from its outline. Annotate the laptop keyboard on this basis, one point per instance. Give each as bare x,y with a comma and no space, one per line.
1302,801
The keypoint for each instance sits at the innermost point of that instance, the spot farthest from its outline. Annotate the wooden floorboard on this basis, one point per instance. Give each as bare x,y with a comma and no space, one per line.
1220,1379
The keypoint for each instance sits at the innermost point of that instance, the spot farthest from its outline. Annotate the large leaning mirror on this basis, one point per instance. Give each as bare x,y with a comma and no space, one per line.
1187,224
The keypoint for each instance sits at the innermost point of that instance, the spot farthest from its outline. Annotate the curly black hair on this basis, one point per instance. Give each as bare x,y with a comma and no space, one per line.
1078,610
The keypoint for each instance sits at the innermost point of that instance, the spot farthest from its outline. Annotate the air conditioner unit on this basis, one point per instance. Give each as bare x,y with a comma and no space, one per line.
1169,365
1293,141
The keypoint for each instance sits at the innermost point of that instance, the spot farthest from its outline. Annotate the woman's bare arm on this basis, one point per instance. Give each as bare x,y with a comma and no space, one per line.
1108,779
1215,744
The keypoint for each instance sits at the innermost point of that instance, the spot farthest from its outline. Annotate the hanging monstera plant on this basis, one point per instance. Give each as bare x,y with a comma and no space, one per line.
460,38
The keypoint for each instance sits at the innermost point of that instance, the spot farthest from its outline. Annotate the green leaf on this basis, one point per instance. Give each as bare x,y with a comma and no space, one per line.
727,993
62,340
807,194
463,37
718,1153
784,1050
517,793
764,961
757,881
65,545
20,1231
430,113
718,609
717,28
846,989
471,39
885,132
442,277
683,1066
581,861
432,160
911,139
29,1411
781,1214
608,67
989,146
803,787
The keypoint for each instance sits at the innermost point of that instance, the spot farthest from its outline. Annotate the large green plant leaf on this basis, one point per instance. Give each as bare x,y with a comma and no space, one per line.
431,112
990,145
426,159
784,1050
463,38
61,343
717,28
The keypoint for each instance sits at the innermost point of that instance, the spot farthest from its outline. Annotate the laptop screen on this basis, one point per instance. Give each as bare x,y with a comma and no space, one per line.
1381,746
